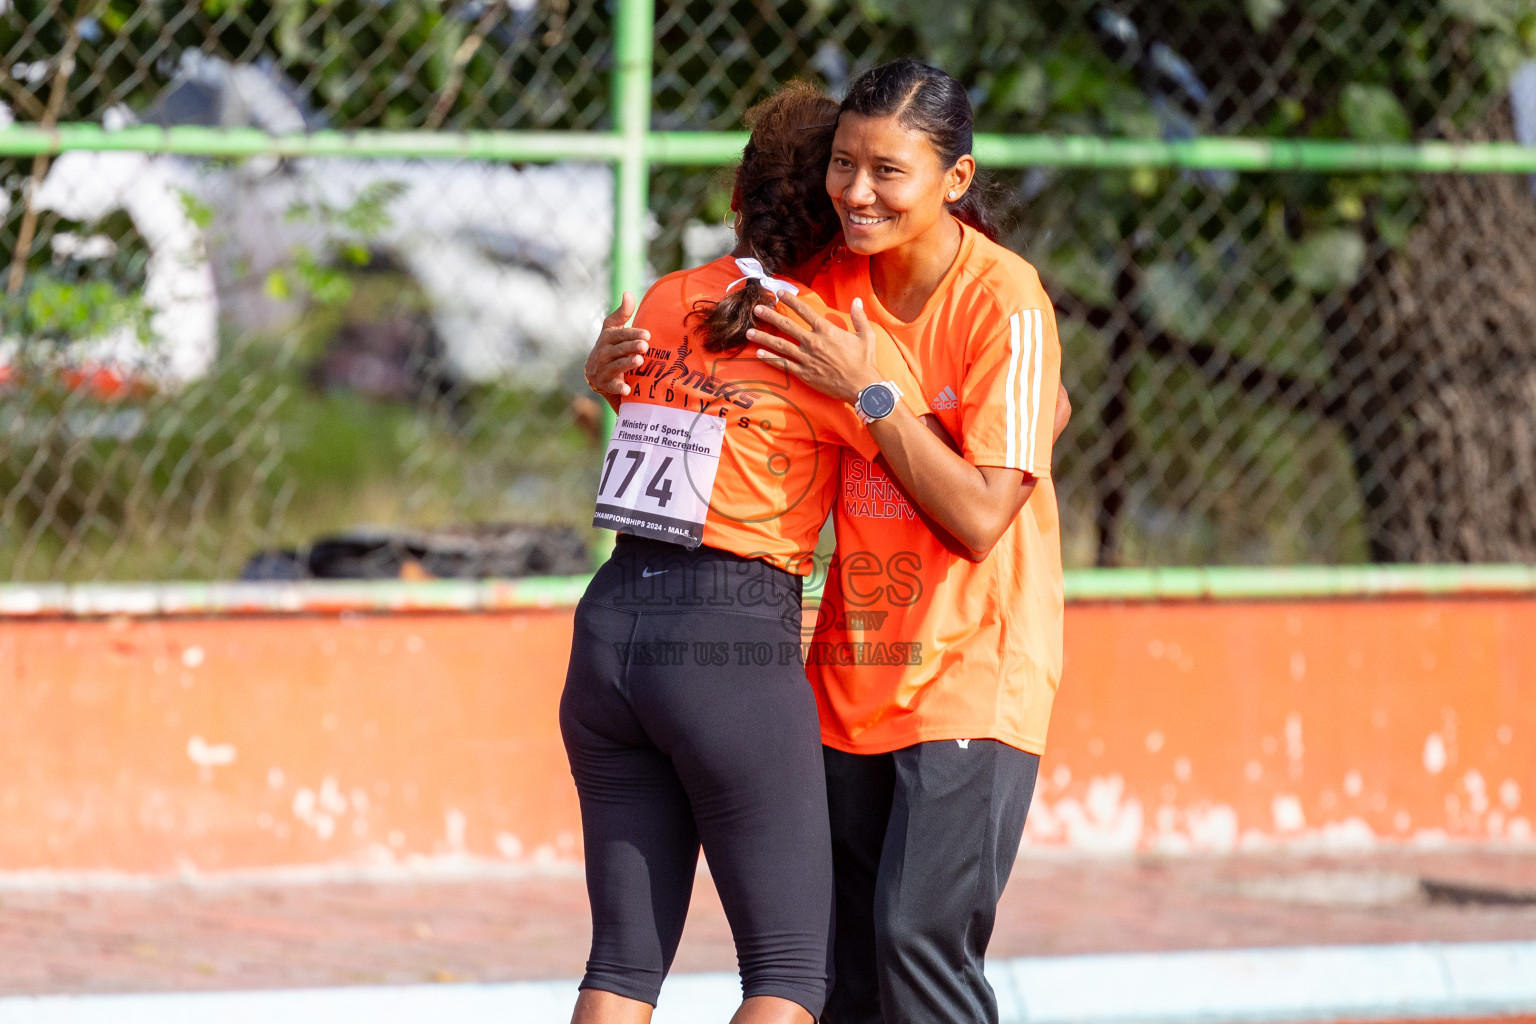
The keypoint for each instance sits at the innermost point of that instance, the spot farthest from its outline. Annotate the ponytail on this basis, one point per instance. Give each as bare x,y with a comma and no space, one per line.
724,324
786,216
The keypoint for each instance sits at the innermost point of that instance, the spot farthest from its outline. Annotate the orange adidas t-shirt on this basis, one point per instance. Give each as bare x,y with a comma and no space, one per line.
724,449
913,643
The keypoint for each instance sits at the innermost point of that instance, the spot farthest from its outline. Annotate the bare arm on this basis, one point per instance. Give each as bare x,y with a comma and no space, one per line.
975,504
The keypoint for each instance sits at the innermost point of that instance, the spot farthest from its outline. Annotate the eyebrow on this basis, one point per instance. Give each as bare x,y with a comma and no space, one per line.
877,158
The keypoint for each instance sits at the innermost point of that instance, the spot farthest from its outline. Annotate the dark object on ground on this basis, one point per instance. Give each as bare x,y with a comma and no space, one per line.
499,551
276,565
1464,894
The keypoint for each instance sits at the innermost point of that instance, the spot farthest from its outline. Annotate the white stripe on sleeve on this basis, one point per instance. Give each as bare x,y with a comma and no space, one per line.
1034,421
1010,460
1023,399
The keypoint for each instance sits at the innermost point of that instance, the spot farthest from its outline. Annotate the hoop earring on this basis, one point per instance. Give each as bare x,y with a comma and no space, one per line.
730,219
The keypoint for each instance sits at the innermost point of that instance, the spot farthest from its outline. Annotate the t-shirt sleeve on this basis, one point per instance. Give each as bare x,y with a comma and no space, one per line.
662,311
1008,397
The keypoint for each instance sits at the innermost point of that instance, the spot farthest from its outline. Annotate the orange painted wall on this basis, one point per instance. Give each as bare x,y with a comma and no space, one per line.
152,745
356,739
1338,722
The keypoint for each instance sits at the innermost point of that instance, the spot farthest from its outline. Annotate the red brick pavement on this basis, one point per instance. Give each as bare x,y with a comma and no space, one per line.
246,935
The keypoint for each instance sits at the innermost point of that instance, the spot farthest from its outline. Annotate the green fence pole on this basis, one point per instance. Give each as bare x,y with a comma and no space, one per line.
633,30
631,100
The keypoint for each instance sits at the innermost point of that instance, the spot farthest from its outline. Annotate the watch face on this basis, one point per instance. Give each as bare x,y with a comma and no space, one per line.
877,401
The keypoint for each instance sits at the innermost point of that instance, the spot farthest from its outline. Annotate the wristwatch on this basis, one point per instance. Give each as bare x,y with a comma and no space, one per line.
877,401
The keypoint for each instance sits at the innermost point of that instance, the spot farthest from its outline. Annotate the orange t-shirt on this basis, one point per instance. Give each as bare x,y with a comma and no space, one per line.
725,449
914,643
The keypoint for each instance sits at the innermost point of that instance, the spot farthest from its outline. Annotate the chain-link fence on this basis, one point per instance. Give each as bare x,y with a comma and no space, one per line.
204,359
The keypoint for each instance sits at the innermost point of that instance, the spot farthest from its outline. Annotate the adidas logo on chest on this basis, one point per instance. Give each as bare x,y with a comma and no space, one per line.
946,399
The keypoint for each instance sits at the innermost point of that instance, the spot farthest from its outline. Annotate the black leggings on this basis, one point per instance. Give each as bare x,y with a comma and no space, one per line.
687,720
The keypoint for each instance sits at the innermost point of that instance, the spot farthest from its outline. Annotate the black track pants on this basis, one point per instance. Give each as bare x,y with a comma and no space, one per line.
923,840
679,734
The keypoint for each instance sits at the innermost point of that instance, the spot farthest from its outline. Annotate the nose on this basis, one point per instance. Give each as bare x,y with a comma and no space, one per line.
859,191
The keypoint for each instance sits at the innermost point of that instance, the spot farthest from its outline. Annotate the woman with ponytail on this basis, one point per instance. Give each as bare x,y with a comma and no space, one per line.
686,716
937,647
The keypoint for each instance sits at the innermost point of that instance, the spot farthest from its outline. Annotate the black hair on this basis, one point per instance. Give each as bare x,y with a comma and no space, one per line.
781,197
927,100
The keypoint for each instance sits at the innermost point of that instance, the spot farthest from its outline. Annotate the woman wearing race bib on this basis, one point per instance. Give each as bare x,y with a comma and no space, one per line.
685,714
930,765
913,916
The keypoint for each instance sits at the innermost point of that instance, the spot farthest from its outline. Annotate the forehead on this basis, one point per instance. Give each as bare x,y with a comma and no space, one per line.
881,136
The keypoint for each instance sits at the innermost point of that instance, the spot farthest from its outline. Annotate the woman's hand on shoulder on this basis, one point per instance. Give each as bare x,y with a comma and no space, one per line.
835,362
619,350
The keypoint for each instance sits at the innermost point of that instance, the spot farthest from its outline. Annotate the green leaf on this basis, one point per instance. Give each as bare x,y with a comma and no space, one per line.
1329,259
276,286
1349,206
1145,181
1262,13
369,214
77,310
1372,114
197,211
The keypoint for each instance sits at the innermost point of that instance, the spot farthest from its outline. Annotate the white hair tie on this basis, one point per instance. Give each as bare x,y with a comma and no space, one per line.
753,271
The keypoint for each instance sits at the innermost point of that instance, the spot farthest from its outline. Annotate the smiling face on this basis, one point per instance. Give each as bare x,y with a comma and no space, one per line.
888,183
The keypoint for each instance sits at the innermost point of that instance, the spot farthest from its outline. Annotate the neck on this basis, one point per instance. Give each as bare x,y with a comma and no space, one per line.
906,276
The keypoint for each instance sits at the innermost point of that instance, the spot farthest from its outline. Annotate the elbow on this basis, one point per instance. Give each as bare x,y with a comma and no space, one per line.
980,539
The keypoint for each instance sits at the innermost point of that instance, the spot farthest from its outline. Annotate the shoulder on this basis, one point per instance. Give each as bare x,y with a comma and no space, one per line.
674,295
999,282
819,263
667,290
836,269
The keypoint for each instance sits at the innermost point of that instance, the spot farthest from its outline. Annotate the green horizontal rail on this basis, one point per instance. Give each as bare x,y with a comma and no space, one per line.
190,140
1254,154
167,600
722,148
311,597
1298,582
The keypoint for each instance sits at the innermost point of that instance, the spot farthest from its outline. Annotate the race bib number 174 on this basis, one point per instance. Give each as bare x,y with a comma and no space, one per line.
659,473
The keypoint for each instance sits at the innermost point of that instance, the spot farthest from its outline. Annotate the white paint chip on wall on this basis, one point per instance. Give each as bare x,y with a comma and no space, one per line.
1434,754
209,755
